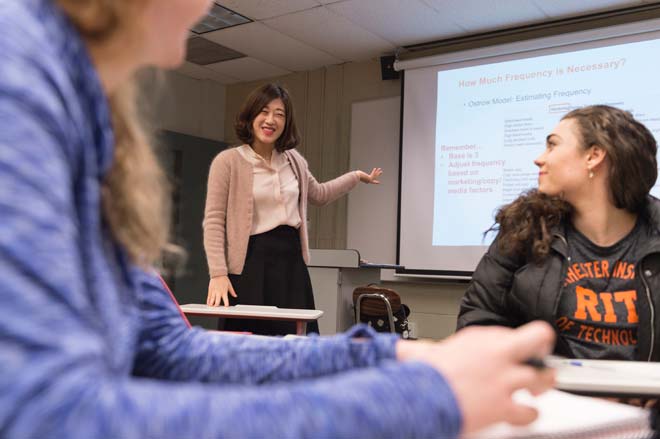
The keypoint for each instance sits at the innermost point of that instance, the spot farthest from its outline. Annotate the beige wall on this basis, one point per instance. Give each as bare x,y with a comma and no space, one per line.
322,100
189,106
194,110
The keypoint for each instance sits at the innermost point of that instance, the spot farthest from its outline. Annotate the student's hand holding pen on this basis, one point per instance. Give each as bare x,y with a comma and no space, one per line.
484,366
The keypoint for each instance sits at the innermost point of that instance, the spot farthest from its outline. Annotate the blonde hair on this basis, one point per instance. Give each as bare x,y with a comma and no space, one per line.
134,195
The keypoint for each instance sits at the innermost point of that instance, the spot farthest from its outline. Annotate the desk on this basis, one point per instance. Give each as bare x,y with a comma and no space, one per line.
300,316
610,378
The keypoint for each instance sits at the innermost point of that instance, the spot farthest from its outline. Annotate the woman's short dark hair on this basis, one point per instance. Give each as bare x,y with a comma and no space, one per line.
631,151
255,102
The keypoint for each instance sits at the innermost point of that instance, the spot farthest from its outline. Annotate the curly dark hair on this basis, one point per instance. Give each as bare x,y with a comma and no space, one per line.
525,225
254,103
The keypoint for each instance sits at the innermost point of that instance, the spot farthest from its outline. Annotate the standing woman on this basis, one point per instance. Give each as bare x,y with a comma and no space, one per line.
255,229
583,251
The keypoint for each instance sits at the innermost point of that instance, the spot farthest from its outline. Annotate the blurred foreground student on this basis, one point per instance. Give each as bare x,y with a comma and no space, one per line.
91,345
583,251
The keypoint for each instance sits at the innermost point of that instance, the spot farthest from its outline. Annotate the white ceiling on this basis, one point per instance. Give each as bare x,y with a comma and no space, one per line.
297,35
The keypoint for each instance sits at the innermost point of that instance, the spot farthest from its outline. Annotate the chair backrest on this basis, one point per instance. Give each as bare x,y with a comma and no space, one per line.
381,308
374,305
183,315
375,297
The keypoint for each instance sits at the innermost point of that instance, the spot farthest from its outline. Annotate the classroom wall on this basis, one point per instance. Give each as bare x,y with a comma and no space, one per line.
187,159
323,99
189,114
185,105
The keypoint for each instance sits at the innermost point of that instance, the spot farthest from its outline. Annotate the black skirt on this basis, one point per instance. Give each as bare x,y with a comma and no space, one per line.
274,274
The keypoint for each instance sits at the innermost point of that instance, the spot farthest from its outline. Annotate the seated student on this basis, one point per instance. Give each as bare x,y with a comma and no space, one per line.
91,345
582,252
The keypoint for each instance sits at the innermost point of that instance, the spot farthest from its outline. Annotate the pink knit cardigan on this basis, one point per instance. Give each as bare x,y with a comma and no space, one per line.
229,206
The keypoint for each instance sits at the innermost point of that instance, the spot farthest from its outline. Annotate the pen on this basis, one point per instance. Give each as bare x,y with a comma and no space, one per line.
589,366
536,363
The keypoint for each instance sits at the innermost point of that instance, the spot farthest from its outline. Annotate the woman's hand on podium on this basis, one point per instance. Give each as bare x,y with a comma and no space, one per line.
484,366
219,288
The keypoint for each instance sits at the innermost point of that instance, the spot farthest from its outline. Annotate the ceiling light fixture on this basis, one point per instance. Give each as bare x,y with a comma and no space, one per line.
219,17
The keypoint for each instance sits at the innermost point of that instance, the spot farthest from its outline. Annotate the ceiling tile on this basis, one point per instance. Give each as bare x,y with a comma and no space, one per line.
567,8
401,22
332,33
247,69
202,51
480,15
198,72
261,9
299,35
261,42
193,71
221,78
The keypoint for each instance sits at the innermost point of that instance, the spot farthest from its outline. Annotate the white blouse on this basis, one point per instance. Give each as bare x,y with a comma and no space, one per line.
275,191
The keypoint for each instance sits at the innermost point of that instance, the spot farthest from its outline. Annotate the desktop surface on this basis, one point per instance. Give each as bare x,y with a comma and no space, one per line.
253,311
607,377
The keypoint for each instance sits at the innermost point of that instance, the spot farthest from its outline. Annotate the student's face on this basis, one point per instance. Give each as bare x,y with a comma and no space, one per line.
563,169
270,122
163,28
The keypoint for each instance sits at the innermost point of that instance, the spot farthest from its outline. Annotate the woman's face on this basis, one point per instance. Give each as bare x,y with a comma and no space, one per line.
270,122
163,28
563,166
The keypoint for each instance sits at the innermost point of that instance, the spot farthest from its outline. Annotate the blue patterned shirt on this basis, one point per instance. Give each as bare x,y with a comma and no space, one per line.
91,346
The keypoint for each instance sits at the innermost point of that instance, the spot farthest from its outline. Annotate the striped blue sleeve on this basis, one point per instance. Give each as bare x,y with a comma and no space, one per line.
61,376
394,401
169,349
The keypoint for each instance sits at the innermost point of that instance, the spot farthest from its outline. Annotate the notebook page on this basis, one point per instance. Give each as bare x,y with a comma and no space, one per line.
565,415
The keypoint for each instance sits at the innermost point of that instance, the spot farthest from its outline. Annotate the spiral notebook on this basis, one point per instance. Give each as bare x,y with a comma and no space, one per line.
563,415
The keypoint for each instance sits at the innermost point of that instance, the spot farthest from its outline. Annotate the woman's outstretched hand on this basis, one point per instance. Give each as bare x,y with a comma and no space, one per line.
371,178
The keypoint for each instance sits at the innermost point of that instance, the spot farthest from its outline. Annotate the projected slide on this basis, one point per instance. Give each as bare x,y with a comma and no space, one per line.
492,119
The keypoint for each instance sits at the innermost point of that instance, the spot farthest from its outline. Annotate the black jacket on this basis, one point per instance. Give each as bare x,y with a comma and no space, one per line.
512,291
